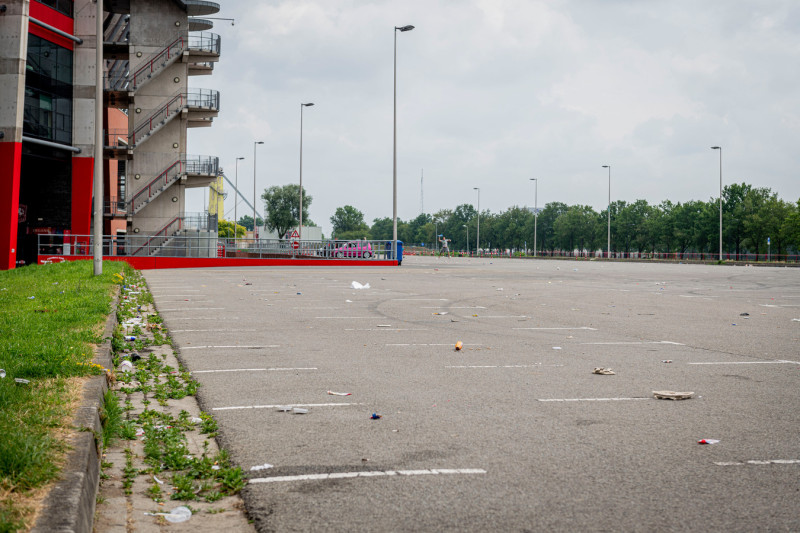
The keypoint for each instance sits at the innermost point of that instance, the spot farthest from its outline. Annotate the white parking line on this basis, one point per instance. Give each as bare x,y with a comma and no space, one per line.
632,342
501,366
589,399
343,475
419,299
228,347
448,307
587,328
778,362
497,316
192,318
252,370
205,330
348,317
384,329
238,407
194,309
422,344
759,462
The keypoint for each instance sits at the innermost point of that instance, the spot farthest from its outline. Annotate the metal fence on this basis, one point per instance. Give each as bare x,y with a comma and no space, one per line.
639,256
190,236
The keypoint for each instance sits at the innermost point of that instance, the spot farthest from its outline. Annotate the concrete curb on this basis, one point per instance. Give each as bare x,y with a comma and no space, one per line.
70,505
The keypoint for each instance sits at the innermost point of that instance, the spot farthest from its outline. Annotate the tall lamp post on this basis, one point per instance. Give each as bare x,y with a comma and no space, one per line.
720,198
394,144
467,228
478,240
300,229
236,199
535,211
255,198
608,245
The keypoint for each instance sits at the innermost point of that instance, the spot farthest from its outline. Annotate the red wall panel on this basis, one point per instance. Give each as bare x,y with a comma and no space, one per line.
10,165
82,174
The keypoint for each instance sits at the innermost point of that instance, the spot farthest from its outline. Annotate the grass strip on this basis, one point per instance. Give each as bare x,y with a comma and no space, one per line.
51,318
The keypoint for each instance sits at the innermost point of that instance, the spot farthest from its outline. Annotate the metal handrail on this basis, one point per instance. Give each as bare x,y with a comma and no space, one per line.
187,164
164,233
150,65
173,106
205,42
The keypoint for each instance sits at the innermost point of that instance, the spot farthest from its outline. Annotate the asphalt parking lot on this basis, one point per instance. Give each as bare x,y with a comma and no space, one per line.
514,432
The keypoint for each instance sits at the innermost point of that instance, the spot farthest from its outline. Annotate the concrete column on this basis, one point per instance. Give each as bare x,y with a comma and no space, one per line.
13,52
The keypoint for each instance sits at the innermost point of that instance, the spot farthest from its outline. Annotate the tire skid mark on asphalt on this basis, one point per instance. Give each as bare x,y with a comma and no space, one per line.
367,474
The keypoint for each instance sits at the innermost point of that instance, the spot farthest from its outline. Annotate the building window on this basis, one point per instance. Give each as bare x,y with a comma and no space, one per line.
48,91
62,6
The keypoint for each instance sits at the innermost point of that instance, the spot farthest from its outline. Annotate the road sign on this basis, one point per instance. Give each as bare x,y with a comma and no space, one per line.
295,235
767,240
295,244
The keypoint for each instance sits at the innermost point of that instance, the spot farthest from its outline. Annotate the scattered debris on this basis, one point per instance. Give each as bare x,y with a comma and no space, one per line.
285,408
666,361
177,515
556,347
21,381
376,416
158,480
299,411
708,441
442,313
384,325
459,345
340,393
603,371
672,395
744,314
357,285
2,373
265,466
499,288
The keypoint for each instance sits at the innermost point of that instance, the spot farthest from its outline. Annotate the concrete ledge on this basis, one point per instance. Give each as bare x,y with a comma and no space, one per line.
70,504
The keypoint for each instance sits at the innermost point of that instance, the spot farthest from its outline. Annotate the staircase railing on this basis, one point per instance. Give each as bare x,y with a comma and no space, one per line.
205,42
158,239
119,80
187,164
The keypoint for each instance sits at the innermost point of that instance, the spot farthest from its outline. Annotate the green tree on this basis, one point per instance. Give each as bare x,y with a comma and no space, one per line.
575,229
348,223
283,207
247,222
546,239
225,229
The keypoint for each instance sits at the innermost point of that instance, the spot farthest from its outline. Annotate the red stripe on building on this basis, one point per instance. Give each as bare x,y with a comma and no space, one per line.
50,16
10,166
82,174
150,263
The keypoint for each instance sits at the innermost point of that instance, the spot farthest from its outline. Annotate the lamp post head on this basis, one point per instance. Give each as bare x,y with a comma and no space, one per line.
258,142
239,158
404,28
606,166
476,188
533,179
716,147
308,104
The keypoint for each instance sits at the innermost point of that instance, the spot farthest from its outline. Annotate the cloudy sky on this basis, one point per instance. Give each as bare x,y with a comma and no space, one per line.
492,93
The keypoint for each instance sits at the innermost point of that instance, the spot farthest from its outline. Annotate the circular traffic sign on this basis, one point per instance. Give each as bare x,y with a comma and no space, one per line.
295,244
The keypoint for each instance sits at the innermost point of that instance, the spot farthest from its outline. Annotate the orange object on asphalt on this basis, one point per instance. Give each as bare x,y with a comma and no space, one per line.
459,345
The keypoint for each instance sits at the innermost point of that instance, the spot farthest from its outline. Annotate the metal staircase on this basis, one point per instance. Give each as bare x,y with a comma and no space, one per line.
185,166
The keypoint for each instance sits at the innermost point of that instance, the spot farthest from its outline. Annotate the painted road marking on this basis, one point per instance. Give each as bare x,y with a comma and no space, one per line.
348,317
497,316
448,307
238,407
343,475
431,344
589,399
195,309
419,299
778,362
203,318
632,342
501,366
559,329
252,370
205,330
228,347
384,329
767,462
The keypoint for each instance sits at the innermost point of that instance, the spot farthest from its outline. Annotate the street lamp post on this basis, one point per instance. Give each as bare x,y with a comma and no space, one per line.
236,199
255,198
300,229
394,144
478,240
608,244
535,211
467,228
720,198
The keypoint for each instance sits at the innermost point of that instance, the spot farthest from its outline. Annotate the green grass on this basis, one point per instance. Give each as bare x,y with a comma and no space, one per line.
50,318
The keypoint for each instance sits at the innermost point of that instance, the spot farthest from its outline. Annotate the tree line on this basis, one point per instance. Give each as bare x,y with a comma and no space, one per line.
750,215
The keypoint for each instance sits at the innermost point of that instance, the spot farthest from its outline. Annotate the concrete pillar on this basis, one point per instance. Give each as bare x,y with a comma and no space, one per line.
13,51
